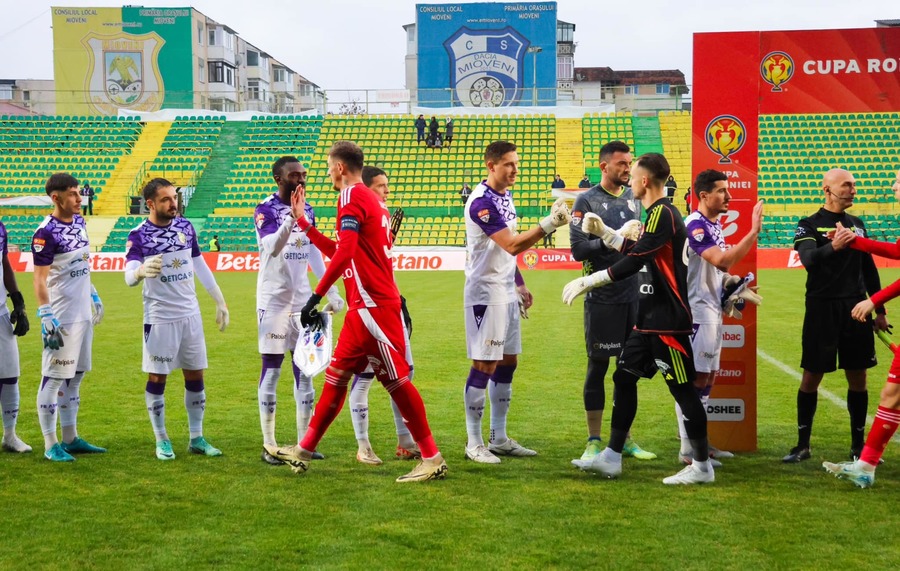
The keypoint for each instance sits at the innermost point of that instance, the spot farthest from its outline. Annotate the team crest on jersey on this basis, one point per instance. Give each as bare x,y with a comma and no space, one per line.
699,234
576,217
260,218
486,66
38,244
298,243
484,215
182,238
530,258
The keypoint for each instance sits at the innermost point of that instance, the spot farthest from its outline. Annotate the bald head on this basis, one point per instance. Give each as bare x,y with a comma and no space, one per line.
840,189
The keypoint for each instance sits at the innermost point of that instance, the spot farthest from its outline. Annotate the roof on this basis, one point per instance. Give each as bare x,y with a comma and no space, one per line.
631,77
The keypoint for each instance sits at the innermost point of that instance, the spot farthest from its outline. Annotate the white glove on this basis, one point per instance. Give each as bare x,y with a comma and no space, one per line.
631,230
151,268
578,286
523,311
593,224
221,308
738,292
559,216
97,316
335,301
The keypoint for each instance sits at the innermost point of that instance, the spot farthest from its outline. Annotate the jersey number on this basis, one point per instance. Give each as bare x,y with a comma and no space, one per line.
386,224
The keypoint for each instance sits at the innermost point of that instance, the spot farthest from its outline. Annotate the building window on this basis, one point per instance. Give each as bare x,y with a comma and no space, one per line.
6,92
26,96
229,41
253,89
631,89
229,75
200,33
264,63
221,72
282,75
305,89
662,88
201,70
252,58
565,68
212,36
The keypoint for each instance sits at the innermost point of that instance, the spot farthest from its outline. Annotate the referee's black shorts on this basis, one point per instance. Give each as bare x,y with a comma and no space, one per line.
832,339
606,326
646,353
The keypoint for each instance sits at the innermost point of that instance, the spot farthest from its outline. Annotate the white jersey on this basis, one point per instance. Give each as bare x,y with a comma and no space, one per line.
64,247
283,281
4,251
704,279
490,270
171,296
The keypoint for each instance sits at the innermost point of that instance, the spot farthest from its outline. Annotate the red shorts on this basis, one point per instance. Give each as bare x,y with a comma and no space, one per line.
894,372
372,336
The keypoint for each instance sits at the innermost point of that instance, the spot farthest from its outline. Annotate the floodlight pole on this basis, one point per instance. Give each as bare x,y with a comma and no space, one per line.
535,50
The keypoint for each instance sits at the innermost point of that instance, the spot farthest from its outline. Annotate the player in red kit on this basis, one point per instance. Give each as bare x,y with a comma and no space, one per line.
373,330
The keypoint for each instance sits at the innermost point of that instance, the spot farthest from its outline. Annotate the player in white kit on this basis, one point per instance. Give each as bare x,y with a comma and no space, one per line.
12,324
69,307
709,258
493,297
163,252
377,180
282,288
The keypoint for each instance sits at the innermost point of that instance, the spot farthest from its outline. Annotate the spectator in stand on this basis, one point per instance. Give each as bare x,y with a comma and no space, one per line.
420,128
585,182
433,128
464,192
558,182
214,245
88,203
671,187
687,200
448,131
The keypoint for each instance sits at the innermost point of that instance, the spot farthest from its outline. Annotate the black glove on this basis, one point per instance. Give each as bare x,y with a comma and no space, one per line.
309,315
406,318
17,315
396,220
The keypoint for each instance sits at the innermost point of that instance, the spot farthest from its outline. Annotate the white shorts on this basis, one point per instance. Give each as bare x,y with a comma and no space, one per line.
176,345
276,334
493,331
707,345
9,349
74,355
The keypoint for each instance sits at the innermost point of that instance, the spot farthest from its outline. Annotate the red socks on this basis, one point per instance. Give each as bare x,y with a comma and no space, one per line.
413,410
884,427
330,403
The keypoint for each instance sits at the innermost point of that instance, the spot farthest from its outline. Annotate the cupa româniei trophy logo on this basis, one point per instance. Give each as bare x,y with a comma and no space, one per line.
776,69
725,135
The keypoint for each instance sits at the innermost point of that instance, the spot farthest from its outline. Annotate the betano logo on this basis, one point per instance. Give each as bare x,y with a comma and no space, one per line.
776,69
725,135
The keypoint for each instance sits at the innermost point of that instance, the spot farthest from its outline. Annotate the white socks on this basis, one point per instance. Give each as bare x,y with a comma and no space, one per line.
267,403
501,395
69,402
305,398
9,404
195,403
359,408
47,400
156,408
474,399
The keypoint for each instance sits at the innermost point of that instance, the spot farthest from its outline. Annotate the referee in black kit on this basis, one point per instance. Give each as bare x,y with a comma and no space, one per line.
837,279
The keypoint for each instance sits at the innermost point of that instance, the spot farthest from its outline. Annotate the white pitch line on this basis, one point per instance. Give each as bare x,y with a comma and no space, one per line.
798,376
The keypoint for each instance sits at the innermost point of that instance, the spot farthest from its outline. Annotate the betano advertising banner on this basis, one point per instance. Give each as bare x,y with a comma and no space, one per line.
477,55
135,58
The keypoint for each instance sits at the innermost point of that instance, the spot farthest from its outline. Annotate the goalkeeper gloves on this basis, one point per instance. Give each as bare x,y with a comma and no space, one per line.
97,317
335,301
593,224
735,292
151,268
631,230
17,316
559,216
578,286
407,319
51,331
523,309
222,317
309,315
396,221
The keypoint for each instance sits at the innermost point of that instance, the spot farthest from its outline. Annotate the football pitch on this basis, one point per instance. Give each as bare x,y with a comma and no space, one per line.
127,510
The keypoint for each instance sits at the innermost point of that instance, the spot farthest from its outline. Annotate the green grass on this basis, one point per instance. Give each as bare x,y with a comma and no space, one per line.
125,509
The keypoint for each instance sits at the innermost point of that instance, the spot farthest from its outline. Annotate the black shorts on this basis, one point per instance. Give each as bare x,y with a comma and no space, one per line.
606,327
832,339
645,354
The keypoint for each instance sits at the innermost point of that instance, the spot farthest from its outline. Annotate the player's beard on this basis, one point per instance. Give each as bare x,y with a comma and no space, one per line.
166,217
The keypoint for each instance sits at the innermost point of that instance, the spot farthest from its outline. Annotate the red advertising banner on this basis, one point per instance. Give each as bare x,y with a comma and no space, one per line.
725,138
828,71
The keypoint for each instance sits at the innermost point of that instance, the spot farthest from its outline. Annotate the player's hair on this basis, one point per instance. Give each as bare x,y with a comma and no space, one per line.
707,180
152,187
656,165
495,151
611,148
278,165
348,153
60,181
369,173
